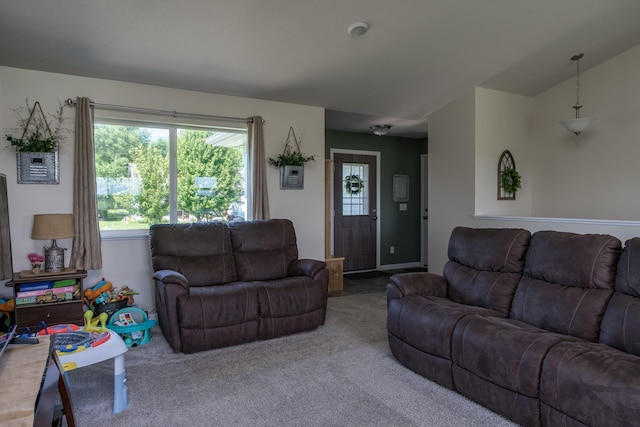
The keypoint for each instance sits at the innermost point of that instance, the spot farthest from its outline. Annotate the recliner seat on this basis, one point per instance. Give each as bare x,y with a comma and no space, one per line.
219,285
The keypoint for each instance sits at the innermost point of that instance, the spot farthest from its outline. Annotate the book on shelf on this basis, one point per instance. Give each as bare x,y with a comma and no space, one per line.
35,286
33,300
56,291
63,283
25,300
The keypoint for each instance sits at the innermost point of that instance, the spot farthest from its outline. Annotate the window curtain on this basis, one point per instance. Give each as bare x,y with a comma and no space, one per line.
6,270
86,253
257,196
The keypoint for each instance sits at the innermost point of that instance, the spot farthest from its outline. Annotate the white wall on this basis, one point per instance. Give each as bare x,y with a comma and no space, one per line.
127,262
451,174
501,123
594,175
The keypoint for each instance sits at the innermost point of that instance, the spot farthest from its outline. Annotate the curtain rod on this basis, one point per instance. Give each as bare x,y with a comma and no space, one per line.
174,114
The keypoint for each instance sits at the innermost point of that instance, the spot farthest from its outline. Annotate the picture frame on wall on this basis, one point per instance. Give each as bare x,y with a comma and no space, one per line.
400,188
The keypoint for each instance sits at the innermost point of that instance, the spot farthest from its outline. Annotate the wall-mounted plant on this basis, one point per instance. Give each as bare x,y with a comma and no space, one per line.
511,180
37,133
291,156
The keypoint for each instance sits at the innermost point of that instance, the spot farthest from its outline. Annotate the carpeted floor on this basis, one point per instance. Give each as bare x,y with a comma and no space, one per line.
341,374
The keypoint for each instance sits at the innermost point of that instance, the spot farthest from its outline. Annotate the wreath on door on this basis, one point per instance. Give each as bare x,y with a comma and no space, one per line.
353,185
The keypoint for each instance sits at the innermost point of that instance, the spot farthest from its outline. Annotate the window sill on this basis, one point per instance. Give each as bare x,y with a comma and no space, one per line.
124,234
585,221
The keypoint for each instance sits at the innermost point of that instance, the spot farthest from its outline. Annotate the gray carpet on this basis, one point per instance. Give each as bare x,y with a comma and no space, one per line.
341,374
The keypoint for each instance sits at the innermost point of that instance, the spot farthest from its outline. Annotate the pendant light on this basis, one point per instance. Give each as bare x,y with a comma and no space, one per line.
579,124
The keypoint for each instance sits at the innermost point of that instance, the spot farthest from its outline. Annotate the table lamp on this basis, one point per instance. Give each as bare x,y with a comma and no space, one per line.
53,226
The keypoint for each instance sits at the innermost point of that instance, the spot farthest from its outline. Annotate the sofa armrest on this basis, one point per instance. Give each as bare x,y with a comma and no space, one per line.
425,284
169,287
171,276
306,267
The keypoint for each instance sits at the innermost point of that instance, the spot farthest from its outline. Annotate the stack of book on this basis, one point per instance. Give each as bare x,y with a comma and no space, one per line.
28,292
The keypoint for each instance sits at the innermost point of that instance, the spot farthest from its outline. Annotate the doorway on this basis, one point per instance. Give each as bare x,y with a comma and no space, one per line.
355,202
424,203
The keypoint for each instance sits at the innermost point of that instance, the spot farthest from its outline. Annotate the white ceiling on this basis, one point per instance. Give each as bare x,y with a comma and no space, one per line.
417,56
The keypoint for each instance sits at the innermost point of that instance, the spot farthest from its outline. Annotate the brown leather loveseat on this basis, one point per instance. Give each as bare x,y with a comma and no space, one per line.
543,329
218,285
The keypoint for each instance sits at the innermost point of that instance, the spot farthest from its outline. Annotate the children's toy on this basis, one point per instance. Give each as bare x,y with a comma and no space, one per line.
91,325
92,293
127,293
6,308
110,307
59,329
105,345
133,325
67,342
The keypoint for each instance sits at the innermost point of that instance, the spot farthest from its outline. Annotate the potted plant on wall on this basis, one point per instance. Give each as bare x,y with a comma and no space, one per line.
38,144
291,163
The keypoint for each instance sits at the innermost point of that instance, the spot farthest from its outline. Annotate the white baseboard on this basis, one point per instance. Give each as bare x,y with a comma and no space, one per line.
400,266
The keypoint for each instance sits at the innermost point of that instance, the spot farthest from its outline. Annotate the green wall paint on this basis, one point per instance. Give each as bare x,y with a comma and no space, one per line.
400,229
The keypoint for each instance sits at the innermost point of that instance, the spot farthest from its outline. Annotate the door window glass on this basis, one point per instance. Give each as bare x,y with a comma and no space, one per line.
355,194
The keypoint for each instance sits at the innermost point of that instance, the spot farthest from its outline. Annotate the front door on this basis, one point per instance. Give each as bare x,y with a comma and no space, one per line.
424,172
355,204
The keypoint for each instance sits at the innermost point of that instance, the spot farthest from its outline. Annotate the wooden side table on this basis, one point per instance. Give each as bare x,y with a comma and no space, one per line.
334,265
70,310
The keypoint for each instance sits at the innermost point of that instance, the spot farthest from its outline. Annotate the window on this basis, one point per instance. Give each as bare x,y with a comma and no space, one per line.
149,173
355,200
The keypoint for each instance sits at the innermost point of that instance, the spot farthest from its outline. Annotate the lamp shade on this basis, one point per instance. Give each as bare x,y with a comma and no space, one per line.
52,226
578,125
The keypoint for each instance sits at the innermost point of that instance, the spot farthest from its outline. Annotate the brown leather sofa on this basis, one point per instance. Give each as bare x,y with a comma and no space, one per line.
218,285
560,348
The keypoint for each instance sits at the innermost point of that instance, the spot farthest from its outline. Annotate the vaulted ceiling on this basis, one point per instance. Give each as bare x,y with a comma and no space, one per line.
416,56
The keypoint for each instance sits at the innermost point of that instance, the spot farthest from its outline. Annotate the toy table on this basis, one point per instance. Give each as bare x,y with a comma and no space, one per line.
114,348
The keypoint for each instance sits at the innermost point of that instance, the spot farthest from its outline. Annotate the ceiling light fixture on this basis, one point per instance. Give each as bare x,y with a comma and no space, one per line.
358,29
579,124
380,130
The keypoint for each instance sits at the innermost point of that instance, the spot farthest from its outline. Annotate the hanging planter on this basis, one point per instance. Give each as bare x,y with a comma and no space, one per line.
353,185
37,147
38,168
291,163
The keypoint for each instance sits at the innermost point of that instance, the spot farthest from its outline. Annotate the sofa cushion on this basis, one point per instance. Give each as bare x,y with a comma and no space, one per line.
218,316
506,352
591,383
290,296
485,265
568,281
201,252
497,363
290,305
619,327
263,250
427,323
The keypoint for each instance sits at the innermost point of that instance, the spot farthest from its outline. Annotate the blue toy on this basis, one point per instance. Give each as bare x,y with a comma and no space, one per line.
103,298
133,325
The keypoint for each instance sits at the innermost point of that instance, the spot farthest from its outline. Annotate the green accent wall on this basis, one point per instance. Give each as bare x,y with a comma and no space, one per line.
400,229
